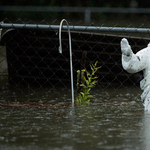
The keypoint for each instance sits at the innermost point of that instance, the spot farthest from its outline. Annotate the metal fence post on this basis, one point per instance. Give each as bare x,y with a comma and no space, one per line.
70,48
87,15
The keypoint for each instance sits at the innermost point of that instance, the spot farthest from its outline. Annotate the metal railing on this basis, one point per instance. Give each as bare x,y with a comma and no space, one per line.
75,28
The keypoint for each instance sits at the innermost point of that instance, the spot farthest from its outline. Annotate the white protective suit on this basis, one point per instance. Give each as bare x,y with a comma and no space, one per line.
133,63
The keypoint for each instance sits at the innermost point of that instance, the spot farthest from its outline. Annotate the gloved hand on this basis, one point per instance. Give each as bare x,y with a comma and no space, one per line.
125,47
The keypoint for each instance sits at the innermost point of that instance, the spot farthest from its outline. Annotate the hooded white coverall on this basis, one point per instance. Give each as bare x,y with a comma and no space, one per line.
134,63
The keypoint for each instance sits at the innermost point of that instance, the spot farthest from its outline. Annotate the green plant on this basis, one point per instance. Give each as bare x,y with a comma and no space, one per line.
88,81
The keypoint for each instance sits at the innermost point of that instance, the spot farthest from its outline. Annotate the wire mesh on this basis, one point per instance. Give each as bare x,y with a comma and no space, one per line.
31,67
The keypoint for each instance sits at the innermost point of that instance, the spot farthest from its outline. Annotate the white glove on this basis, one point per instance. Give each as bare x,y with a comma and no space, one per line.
125,47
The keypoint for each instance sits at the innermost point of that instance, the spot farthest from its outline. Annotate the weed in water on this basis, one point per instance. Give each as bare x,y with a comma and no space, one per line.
88,81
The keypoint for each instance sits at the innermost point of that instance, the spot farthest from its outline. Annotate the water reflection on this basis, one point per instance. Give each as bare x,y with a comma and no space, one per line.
146,131
100,125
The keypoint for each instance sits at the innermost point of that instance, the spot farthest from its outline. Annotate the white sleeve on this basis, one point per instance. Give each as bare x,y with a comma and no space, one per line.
135,62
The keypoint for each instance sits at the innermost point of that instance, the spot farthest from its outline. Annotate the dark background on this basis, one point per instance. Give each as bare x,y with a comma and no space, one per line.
78,3
107,19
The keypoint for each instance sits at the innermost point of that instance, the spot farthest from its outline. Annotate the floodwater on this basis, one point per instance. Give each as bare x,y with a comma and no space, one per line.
107,123
112,121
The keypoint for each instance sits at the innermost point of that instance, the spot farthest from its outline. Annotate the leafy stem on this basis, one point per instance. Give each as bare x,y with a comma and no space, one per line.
88,81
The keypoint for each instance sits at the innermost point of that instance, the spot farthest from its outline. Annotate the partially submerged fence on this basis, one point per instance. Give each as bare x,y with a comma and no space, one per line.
32,67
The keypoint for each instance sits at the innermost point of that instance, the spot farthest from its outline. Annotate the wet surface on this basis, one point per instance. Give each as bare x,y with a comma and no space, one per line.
109,122
36,118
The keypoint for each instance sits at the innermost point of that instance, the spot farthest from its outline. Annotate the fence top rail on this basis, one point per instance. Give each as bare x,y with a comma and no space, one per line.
75,9
75,28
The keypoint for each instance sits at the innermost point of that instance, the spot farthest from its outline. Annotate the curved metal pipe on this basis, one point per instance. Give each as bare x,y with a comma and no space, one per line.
70,48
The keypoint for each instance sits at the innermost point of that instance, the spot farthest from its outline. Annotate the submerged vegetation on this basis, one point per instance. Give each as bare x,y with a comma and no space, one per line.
85,82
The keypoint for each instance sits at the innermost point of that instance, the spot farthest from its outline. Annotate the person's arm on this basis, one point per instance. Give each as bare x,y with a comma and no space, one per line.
131,62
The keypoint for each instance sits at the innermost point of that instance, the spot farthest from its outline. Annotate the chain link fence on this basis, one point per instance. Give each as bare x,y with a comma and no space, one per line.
31,67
